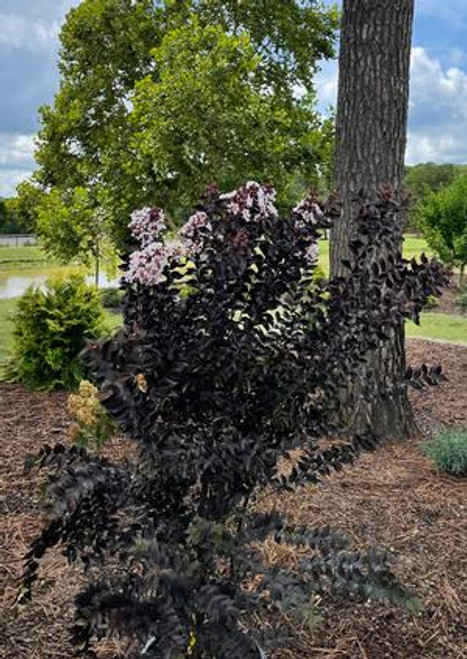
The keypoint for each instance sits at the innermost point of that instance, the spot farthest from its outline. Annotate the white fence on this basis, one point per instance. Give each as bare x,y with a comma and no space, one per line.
17,239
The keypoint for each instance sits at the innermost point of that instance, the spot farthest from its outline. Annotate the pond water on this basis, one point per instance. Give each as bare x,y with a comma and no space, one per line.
15,281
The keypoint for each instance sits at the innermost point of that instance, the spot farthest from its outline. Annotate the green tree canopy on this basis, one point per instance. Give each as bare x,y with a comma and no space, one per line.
11,220
204,120
442,216
424,178
29,196
251,92
71,226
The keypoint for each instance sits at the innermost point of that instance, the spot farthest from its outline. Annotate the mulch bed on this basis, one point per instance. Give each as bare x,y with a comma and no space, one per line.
392,498
449,303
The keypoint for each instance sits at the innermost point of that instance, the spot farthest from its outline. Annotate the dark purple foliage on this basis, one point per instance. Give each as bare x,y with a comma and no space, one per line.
221,370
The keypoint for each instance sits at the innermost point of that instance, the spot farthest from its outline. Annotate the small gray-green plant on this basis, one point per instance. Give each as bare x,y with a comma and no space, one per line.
448,450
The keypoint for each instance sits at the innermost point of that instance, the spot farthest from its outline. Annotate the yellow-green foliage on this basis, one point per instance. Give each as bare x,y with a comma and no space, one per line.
319,273
91,423
51,326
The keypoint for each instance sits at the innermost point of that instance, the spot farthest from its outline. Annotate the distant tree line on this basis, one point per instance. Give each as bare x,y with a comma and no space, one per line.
11,220
440,213
425,178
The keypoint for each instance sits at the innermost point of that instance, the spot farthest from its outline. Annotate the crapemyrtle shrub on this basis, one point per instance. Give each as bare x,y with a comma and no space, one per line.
52,324
228,362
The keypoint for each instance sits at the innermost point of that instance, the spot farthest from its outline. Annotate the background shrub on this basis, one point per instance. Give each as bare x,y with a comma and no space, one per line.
52,324
431,302
462,300
442,218
111,298
449,451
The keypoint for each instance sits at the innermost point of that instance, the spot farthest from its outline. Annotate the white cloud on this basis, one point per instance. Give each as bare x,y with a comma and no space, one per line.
442,148
9,179
20,31
16,150
438,107
430,83
16,161
438,111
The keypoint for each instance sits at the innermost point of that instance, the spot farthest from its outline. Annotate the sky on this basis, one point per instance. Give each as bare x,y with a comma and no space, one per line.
438,97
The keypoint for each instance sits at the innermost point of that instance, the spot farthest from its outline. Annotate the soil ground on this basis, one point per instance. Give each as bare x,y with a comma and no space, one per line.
391,498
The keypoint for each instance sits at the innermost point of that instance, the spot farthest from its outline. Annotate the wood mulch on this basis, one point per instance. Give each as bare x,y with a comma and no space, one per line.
449,303
389,499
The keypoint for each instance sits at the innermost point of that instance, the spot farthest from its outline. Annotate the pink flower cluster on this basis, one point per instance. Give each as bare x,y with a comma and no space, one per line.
147,224
175,250
312,253
251,200
192,232
147,265
309,211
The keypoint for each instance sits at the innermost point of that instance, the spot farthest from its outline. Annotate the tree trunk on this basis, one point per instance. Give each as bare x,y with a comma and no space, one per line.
371,130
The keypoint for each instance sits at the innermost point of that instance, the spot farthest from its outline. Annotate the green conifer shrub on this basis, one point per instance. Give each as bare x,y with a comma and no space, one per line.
51,326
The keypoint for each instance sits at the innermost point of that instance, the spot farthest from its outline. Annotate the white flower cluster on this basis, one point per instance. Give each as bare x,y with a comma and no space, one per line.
147,224
312,253
309,211
251,200
146,265
191,233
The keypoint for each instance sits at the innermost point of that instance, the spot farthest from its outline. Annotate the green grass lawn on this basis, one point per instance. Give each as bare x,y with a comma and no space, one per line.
439,326
413,246
22,256
7,308
112,320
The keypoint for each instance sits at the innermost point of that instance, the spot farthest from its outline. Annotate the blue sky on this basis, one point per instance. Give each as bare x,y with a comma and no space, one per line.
438,104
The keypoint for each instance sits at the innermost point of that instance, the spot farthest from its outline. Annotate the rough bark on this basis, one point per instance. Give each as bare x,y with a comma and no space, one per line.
371,127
